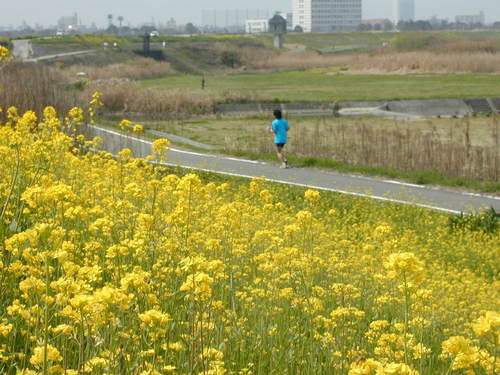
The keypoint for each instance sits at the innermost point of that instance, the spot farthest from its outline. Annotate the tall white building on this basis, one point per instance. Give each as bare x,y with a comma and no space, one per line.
327,15
403,10
68,23
472,19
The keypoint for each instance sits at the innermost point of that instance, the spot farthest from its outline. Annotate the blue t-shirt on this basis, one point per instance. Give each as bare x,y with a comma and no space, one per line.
280,126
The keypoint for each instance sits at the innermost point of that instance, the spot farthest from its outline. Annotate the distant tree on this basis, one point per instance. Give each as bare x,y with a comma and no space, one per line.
147,29
419,25
126,29
388,25
405,25
423,25
365,27
191,29
26,29
377,27
298,29
496,25
442,25
112,29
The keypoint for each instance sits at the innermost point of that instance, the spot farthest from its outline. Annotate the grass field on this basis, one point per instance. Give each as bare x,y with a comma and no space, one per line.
330,87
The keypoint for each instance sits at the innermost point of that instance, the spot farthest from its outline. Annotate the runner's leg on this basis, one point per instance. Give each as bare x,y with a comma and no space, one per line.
281,156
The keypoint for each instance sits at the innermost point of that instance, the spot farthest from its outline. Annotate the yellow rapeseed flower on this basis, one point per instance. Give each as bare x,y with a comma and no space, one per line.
404,264
154,318
160,147
312,195
138,128
365,367
199,285
53,355
489,323
460,349
126,124
4,55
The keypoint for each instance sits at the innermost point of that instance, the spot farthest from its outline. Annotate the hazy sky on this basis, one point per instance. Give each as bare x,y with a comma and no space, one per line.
138,12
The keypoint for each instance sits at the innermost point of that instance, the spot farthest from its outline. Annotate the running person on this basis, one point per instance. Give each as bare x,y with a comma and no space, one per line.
280,128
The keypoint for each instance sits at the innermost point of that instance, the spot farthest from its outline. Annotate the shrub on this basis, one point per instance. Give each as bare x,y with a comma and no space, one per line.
486,221
231,58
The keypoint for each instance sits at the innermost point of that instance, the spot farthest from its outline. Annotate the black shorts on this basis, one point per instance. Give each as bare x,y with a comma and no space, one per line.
281,145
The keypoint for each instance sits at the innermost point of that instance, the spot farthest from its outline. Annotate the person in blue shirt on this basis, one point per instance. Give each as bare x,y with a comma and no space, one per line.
280,128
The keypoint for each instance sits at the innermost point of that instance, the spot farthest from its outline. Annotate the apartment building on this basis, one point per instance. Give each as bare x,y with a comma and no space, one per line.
472,19
327,15
403,10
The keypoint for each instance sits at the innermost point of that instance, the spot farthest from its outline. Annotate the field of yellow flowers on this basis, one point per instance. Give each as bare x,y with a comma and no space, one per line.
115,266
118,266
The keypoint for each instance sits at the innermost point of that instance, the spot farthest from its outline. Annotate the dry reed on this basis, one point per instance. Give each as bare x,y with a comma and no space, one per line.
140,68
124,97
384,61
358,143
33,87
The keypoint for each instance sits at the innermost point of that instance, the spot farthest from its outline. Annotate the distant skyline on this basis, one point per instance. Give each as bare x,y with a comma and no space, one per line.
139,12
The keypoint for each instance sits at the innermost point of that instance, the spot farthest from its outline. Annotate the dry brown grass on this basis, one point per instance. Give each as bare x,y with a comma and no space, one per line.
126,97
33,87
382,61
139,68
468,46
456,151
122,96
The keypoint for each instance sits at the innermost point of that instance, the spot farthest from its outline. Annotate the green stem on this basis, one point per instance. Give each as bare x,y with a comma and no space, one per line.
46,320
12,185
407,308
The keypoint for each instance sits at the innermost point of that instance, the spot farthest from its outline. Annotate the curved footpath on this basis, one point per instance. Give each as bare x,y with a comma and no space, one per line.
384,190
23,50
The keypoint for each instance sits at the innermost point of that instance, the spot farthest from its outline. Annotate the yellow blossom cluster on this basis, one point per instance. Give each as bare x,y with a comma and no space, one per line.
4,55
128,125
115,265
95,103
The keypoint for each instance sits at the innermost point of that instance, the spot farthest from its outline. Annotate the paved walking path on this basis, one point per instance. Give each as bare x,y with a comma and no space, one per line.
380,189
181,140
23,50
62,54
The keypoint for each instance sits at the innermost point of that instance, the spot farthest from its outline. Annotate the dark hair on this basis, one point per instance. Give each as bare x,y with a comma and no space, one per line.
277,114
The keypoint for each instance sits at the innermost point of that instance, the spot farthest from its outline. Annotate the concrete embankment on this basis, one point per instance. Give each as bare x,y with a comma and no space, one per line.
23,51
397,109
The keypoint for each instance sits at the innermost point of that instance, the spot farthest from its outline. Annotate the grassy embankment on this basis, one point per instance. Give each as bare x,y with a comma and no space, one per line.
321,85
